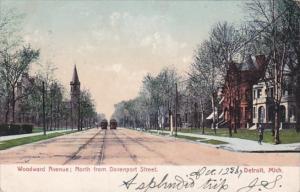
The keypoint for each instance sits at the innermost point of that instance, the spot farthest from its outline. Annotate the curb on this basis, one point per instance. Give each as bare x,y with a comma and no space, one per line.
238,150
257,151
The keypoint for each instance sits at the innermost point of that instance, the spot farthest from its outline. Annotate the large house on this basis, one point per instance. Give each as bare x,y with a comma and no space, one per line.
237,92
263,106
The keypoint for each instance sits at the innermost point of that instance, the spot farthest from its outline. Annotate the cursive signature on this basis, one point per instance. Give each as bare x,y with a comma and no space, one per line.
167,182
179,183
256,183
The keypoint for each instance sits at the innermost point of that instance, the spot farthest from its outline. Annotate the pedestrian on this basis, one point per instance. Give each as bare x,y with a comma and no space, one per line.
261,133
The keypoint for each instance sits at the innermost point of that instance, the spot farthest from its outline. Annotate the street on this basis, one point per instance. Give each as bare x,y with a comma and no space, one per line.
124,146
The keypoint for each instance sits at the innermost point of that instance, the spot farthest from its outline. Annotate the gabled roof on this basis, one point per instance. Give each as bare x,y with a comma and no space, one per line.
247,65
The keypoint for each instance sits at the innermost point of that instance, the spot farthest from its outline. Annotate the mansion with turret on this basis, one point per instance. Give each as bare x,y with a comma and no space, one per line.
248,100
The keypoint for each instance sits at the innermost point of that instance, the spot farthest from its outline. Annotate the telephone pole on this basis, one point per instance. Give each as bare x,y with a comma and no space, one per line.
176,106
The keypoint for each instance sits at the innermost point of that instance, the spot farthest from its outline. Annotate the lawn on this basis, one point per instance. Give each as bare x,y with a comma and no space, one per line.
25,140
286,135
37,129
189,137
199,139
202,140
214,142
40,129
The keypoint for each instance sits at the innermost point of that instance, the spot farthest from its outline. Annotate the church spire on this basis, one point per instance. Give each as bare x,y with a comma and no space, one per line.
75,78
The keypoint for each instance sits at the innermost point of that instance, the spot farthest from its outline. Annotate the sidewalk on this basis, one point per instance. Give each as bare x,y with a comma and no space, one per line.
243,145
9,137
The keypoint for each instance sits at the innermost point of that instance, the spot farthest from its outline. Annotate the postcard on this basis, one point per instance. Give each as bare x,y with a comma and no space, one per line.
146,96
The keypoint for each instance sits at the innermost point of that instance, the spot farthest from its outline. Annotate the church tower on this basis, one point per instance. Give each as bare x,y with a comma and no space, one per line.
75,100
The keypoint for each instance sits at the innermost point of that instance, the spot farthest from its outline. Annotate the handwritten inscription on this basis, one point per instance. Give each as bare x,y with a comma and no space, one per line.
258,184
203,179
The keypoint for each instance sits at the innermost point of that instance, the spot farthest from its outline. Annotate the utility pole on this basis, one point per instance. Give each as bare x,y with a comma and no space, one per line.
176,105
44,114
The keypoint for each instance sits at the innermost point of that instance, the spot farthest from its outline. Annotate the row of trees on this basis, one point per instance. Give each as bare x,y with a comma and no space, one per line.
272,28
154,102
21,95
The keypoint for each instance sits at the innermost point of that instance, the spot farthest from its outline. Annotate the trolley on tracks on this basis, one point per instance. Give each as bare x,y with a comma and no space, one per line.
113,124
104,124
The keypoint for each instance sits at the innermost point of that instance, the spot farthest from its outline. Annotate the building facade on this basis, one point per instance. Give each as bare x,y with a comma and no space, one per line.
263,107
237,92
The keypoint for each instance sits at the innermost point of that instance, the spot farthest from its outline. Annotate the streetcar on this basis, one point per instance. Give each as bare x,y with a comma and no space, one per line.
113,124
104,124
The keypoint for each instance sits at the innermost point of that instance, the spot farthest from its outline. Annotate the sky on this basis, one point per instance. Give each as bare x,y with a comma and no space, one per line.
114,44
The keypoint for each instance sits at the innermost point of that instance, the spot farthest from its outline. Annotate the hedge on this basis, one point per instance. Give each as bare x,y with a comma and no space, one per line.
15,129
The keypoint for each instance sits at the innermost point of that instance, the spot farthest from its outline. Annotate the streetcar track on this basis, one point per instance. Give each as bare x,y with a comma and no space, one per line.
74,155
133,157
150,149
101,153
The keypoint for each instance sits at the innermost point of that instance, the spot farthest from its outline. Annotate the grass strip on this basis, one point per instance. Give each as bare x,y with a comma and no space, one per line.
214,142
189,137
31,139
286,135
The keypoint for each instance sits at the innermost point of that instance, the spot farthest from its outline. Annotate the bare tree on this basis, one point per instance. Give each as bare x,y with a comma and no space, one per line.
267,16
198,90
212,60
291,29
88,113
13,66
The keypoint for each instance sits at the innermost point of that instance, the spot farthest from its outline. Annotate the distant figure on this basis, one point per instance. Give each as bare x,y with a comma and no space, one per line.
261,133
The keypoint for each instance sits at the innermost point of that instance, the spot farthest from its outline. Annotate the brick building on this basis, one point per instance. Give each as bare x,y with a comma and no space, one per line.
237,92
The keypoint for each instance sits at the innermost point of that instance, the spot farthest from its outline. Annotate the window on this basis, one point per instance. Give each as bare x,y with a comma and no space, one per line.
258,93
254,113
254,94
271,92
292,112
261,114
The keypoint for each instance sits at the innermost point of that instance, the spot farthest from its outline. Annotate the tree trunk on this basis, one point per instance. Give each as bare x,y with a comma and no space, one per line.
13,102
51,119
235,117
7,110
297,95
202,120
213,112
277,123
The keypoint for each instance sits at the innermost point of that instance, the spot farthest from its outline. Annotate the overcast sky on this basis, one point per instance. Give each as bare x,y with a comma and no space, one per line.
115,43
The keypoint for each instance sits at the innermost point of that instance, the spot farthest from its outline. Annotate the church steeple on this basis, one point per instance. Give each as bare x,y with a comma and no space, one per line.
75,79
75,99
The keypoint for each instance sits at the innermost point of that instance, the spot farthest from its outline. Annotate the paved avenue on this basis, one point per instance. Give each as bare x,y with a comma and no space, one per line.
129,147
